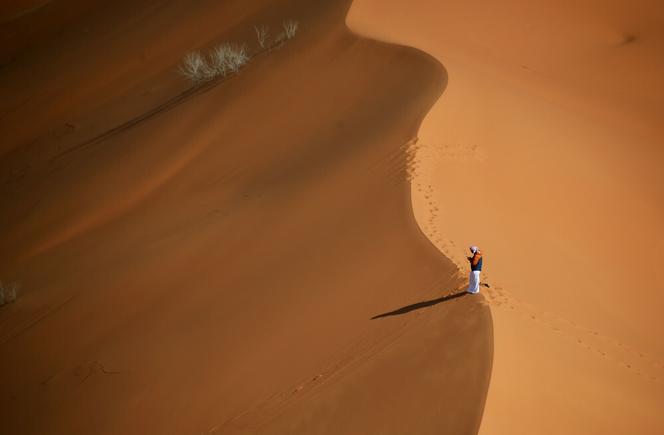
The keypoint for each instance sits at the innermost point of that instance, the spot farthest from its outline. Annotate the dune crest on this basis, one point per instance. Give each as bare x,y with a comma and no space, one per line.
545,151
244,262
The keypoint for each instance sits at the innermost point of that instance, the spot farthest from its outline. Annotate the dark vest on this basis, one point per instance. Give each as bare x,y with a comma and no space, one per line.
478,266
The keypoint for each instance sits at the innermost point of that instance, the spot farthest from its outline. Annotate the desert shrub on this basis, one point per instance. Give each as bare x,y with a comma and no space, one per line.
231,56
219,60
262,35
222,60
290,28
8,292
225,59
195,68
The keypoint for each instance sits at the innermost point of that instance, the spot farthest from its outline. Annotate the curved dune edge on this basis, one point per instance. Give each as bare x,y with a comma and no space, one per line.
544,150
246,262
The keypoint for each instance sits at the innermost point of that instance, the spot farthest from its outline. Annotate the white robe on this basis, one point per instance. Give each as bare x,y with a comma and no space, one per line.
474,282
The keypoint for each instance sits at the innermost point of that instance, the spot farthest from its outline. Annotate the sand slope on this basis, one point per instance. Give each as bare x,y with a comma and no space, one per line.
545,150
215,268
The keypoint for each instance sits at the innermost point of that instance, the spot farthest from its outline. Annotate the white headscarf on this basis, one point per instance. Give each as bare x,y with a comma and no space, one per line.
474,249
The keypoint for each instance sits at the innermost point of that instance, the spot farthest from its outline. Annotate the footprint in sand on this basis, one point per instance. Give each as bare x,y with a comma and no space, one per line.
604,346
498,297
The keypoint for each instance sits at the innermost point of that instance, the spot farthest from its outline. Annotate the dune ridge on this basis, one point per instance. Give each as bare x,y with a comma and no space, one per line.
544,150
216,267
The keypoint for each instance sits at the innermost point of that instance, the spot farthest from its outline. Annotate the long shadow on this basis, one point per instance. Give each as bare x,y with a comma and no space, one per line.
423,304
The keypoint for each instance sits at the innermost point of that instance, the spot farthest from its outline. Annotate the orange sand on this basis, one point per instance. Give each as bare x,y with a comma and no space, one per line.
546,151
215,268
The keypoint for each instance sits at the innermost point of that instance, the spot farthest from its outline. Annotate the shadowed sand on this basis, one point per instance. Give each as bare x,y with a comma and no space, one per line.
546,151
419,305
214,268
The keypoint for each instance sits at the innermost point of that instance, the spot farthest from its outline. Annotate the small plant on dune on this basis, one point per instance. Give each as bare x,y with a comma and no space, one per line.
236,56
228,58
195,68
223,60
219,60
262,35
8,292
290,28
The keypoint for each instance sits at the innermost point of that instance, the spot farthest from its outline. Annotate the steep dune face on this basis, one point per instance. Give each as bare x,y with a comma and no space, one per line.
215,268
545,150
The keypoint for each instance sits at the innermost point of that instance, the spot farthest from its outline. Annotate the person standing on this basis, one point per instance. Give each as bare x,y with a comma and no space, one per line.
475,269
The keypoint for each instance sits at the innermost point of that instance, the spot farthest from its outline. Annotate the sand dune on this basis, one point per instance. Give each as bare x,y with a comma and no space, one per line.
545,150
244,261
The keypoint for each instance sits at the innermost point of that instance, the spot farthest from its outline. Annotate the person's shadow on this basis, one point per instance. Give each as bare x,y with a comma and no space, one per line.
423,304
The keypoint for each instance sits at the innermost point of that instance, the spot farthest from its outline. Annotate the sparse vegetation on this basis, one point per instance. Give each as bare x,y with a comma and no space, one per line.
8,292
236,56
262,35
195,68
218,61
222,60
290,28
228,58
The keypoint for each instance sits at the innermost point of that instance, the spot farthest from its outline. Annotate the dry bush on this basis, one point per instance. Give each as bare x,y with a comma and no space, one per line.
290,28
228,58
195,68
236,56
219,60
262,34
222,60
8,292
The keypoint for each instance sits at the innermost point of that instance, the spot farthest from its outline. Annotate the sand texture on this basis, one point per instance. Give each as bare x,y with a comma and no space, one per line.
238,258
546,151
